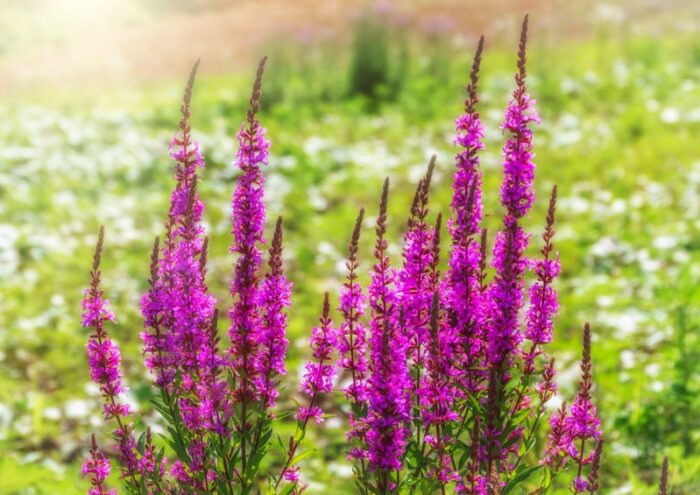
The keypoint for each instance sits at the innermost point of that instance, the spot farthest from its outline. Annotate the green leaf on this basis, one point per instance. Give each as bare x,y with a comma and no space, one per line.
302,456
520,477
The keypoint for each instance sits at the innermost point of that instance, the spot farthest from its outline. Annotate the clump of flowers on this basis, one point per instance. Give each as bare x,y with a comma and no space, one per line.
218,401
459,376
445,377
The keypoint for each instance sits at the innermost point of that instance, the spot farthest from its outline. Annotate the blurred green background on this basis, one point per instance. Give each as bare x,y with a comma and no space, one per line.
355,91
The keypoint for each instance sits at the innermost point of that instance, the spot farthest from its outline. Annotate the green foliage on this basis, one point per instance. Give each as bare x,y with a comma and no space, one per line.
378,60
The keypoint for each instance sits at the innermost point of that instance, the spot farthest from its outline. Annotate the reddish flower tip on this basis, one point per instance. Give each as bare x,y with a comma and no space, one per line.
326,305
522,52
380,228
97,256
663,482
472,88
355,238
275,261
586,344
593,484
257,90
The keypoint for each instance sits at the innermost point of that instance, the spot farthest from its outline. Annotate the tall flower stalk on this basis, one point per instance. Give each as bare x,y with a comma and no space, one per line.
97,468
389,381
104,360
248,216
461,284
352,354
273,298
506,291
576,433
317,381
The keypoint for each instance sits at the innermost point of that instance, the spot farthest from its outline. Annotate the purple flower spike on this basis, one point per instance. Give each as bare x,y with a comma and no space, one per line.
389,406
273,298
104,357
104,361
518,168
248,215
177,309
320,371
576,435
414,285
352,341
461,286
516,195
543,297
470,134
97,468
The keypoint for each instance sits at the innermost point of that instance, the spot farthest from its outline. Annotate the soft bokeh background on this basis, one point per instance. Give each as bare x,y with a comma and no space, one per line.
89,94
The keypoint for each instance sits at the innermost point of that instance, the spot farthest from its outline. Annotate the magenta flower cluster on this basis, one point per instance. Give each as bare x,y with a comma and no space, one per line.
445,377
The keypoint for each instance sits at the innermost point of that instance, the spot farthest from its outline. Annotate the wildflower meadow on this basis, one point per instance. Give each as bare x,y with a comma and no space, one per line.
425,266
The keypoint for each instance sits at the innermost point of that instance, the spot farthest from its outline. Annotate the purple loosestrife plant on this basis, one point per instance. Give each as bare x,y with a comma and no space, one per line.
477,365
217,401
389,381
413,282
179,314
317,381
319,374
543,298
505,294
104,360
445,377
97,468
353,360
273,298
462,281
576,436
248,216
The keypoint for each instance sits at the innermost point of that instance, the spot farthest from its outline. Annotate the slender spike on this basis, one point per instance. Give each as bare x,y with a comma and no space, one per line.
154,262
429,173
383,205
355,238
203,257
214,328
187,97
551,214
215,319
663,482
434,315
326,306
593,479
472,88
420,198
275,261
586,345
522,53
437,236
97,257
257,91
415,205
482,258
